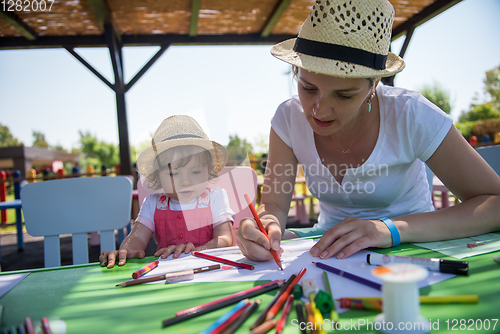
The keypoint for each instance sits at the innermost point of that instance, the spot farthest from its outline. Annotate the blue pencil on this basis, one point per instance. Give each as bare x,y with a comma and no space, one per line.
348,275
224,317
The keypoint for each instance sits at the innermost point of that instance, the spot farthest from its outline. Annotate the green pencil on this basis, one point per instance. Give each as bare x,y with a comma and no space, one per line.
333,313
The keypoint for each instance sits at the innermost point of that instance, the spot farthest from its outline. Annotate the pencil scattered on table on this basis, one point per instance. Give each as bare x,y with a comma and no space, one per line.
146,269
263,314
284,316
262,229
348,275
226,316
333,313
226,261
242,318
222,302
281,300
265,327
176,276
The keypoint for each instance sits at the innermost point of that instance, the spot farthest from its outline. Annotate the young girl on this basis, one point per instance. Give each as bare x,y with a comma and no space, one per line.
188,215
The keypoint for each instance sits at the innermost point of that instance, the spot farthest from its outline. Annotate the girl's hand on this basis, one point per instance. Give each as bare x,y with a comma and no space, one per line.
108,258
254,244
176,250
350,236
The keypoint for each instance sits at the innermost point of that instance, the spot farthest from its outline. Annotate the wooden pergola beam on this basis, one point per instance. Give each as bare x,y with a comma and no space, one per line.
18,24
102,12
275,17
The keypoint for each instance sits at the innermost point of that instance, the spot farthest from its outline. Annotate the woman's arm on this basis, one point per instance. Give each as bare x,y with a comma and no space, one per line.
464,172
273,210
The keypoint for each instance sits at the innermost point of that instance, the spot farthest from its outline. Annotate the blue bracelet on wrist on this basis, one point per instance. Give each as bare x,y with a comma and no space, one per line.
396,239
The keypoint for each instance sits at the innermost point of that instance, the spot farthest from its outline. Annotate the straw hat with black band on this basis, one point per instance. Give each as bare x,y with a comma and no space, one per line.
180,130
348,39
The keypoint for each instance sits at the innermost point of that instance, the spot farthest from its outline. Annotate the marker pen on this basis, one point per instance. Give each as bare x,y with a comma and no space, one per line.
444,266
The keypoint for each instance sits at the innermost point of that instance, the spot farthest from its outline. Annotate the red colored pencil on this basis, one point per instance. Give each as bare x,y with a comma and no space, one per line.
286,311
46,326
263,230
226,261
277,306
146,269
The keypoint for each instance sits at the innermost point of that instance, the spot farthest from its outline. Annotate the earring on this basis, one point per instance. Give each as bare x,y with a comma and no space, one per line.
370,102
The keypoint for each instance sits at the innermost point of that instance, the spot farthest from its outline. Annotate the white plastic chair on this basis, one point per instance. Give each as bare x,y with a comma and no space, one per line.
491,154
237,181
76,206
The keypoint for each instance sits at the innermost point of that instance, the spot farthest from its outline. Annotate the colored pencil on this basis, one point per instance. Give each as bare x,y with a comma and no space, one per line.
284,316
244,316
281,300
459,299
46,326
263,230
164,276
310,317
225,316
28,324
350,276
222,302
265,327
221,327
299,307
333,313
146,269
263,314
226,261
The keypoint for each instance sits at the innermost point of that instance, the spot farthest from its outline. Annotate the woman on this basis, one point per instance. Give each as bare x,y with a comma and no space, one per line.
363,145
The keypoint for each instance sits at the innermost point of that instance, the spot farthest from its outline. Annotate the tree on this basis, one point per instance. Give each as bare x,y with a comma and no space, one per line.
6,138
437,95
492,88
237,148
98,152
490,108
39,140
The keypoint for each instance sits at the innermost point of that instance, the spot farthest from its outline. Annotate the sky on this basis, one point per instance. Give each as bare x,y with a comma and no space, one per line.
228,89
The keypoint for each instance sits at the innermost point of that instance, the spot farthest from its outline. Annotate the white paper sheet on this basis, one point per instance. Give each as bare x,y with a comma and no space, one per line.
465,247
7,282
295,257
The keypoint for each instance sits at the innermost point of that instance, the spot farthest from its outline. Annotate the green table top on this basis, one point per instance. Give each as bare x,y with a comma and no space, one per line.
86,299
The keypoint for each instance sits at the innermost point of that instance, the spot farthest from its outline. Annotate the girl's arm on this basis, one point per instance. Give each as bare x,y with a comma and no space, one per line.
133,246
277,191
464,172
223,237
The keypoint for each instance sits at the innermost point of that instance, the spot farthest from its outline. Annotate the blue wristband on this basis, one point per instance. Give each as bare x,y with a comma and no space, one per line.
396,239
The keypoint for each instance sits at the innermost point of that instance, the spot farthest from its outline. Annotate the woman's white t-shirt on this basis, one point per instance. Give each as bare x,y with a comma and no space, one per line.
392,182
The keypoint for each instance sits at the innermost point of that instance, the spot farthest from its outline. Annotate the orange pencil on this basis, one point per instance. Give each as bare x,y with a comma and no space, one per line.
263,230
277,306
265,327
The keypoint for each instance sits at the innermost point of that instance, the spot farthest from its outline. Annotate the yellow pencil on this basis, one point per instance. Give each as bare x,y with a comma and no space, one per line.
318,318
458,299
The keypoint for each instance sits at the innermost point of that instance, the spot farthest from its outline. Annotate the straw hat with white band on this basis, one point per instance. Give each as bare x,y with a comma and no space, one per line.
348,38
180,130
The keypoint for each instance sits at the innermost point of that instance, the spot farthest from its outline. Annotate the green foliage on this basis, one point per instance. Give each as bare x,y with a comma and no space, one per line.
491,108
478,112
98,152
465,128
6,138
492,88
237,148
437,95
39,140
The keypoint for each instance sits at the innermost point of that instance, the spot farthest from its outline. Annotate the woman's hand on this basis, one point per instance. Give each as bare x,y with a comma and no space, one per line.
176,250
254,244
350,236
108,258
